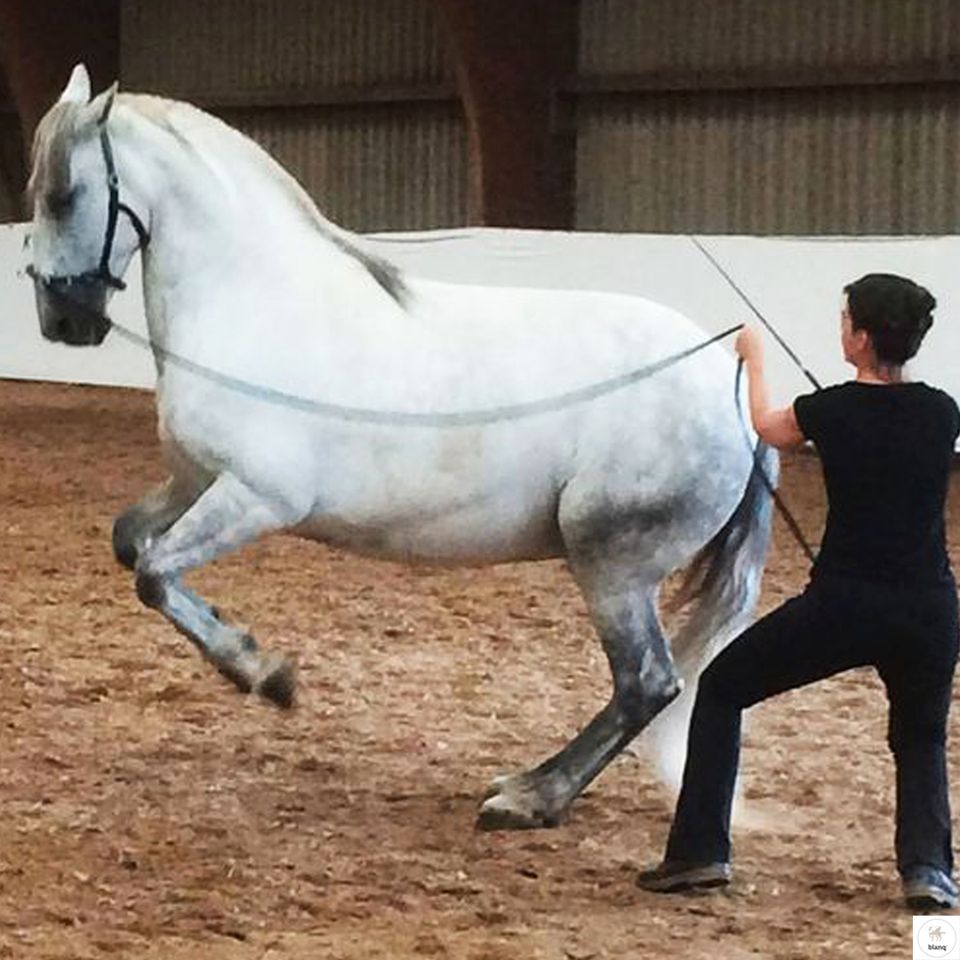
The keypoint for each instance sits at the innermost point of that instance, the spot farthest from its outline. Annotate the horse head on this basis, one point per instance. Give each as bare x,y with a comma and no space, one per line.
80,245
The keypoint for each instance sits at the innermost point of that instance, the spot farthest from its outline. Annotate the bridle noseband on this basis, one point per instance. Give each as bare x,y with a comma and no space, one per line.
102,274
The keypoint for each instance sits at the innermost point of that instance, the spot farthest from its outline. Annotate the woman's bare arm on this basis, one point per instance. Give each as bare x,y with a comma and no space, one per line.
776,426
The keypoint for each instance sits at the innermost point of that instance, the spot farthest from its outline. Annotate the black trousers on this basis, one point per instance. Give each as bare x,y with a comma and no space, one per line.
909,634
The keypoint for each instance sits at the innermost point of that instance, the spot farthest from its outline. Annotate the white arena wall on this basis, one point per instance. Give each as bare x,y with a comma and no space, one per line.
795,283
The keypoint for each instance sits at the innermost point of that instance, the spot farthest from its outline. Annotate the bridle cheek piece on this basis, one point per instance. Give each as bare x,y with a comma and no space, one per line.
102,274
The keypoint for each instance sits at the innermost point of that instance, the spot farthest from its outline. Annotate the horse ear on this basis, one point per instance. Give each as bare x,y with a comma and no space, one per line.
102,104
77,89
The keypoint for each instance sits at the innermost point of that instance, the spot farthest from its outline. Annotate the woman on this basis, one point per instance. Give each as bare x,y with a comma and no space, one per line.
881,593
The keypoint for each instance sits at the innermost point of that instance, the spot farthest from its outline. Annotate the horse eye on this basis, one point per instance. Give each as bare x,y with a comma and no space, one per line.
59,203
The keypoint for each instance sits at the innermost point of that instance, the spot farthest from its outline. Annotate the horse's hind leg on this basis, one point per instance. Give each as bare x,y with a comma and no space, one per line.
225,516
623,609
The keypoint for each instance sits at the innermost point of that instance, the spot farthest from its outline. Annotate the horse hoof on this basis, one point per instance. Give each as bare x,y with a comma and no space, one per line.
498,785
278,682
513,804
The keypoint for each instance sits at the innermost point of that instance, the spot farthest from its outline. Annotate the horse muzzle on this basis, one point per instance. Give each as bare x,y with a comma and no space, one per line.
72,313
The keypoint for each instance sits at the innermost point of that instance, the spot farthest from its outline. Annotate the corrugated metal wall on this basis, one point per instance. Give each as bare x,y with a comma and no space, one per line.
231,49
849,160
706,36
354,98
769,116
372,167
762,116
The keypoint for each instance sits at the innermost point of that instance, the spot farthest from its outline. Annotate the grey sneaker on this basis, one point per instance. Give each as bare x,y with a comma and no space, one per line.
927,888
673,876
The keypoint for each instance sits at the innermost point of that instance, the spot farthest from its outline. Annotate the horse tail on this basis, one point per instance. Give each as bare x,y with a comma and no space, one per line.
719,592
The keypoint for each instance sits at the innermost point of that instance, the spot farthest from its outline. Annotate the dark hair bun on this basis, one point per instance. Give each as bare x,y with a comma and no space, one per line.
895,311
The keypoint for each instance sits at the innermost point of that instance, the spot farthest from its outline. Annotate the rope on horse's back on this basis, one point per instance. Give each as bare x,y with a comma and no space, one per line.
476,417
464,418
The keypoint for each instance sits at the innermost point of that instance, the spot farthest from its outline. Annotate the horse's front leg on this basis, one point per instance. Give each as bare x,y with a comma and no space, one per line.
227,515
138,525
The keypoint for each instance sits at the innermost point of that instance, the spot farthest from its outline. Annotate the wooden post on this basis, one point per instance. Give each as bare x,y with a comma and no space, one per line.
511,57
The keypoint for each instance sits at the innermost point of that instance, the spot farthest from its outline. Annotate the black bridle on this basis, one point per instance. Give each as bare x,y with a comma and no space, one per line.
102,274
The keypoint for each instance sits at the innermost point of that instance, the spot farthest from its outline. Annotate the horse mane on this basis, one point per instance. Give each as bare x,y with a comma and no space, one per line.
166,113
48,154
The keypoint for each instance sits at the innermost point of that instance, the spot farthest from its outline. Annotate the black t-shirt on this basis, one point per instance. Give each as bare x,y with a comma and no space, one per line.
886,452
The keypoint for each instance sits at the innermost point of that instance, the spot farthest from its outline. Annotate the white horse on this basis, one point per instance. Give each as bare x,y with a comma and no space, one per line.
465,461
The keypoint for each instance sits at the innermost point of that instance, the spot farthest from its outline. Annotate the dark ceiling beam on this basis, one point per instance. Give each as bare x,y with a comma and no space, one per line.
512,60
41,40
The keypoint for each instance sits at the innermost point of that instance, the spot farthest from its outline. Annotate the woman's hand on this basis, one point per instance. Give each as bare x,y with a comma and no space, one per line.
749,344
